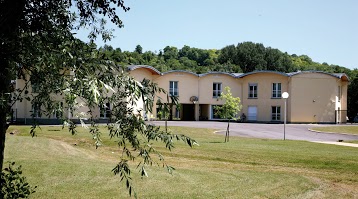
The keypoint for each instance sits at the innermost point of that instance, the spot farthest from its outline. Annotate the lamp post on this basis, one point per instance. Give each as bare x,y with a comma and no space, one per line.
285,95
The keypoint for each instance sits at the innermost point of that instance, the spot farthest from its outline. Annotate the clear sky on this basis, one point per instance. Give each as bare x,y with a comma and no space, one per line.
325,30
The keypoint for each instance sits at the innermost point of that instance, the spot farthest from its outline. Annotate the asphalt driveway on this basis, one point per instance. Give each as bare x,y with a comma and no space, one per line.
266,131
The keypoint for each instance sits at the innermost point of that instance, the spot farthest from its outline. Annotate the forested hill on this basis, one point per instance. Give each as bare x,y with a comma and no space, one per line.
244,57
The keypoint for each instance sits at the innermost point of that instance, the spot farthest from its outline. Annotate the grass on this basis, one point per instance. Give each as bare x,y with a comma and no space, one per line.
339,129
65,166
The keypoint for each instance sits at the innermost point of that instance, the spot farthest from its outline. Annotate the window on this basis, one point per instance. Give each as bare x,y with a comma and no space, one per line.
252,90
214,112
217,90
276,113
36,110
339,93
173,88
105,111
58,112
276,90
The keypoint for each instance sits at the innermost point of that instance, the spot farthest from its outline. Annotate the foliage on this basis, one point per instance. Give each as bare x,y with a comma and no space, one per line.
14,184
38,46
229,110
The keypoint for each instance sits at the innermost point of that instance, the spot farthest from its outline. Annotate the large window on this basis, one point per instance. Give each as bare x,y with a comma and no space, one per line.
214,112
276,113
217,89
276,90
173,88
252,90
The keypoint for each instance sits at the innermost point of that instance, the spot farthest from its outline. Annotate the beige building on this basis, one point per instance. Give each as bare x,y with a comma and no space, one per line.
314,97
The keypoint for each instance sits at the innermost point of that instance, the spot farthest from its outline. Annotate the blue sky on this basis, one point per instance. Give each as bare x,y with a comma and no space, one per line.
325,30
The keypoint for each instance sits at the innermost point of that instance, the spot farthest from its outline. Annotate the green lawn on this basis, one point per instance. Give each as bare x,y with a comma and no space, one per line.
65,166
339,129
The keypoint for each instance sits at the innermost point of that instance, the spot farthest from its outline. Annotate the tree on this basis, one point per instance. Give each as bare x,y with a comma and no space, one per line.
229,110
138,49
37,45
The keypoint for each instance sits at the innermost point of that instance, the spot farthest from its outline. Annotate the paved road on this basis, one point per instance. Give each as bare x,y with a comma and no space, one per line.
269,131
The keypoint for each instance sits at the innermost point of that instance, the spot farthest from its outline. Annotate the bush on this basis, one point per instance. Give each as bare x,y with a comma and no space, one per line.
14,184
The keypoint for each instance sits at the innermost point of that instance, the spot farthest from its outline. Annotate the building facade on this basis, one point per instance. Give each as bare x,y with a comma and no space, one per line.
314,97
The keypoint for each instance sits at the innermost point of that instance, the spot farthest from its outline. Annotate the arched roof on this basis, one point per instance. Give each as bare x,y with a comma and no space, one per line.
218,73
341,76
180,71
150,68
262,71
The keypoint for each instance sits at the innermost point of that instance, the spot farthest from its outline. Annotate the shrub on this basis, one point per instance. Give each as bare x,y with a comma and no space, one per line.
14,184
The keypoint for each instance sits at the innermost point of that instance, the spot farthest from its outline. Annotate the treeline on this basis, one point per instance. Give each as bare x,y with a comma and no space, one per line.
241,58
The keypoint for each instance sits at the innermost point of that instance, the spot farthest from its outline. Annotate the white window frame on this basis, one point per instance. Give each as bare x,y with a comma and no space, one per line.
174,88
253,90
217,89
275,113
276,90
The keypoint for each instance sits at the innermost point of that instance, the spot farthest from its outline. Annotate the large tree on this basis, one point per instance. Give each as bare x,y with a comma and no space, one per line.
37,45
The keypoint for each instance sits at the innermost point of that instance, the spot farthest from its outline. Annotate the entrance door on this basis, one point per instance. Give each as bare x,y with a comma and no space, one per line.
252,113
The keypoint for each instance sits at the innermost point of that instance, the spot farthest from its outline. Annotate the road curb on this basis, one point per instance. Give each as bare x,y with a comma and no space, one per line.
330,132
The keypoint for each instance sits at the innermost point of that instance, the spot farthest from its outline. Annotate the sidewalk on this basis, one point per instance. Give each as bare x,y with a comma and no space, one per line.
338,143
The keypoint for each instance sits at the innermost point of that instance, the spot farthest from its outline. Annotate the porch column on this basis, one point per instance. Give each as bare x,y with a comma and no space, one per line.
196,107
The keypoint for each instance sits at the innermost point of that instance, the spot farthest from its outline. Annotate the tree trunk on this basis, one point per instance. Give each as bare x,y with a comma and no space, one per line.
4,106
11,13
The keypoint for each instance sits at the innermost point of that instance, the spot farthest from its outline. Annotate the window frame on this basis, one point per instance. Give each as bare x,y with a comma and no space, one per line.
217,92
105,111
275,113
276,92
36,110
253,93
172,90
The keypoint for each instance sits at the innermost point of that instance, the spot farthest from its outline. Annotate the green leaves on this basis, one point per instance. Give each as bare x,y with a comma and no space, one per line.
13,184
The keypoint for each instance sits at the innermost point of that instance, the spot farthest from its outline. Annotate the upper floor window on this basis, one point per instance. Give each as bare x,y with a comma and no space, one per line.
253,90
173,88
217,89
276,113
276,90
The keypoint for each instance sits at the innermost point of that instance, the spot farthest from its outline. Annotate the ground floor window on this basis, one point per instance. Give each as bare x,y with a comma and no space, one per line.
58,112
214,112
36,110
105,111
276,113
